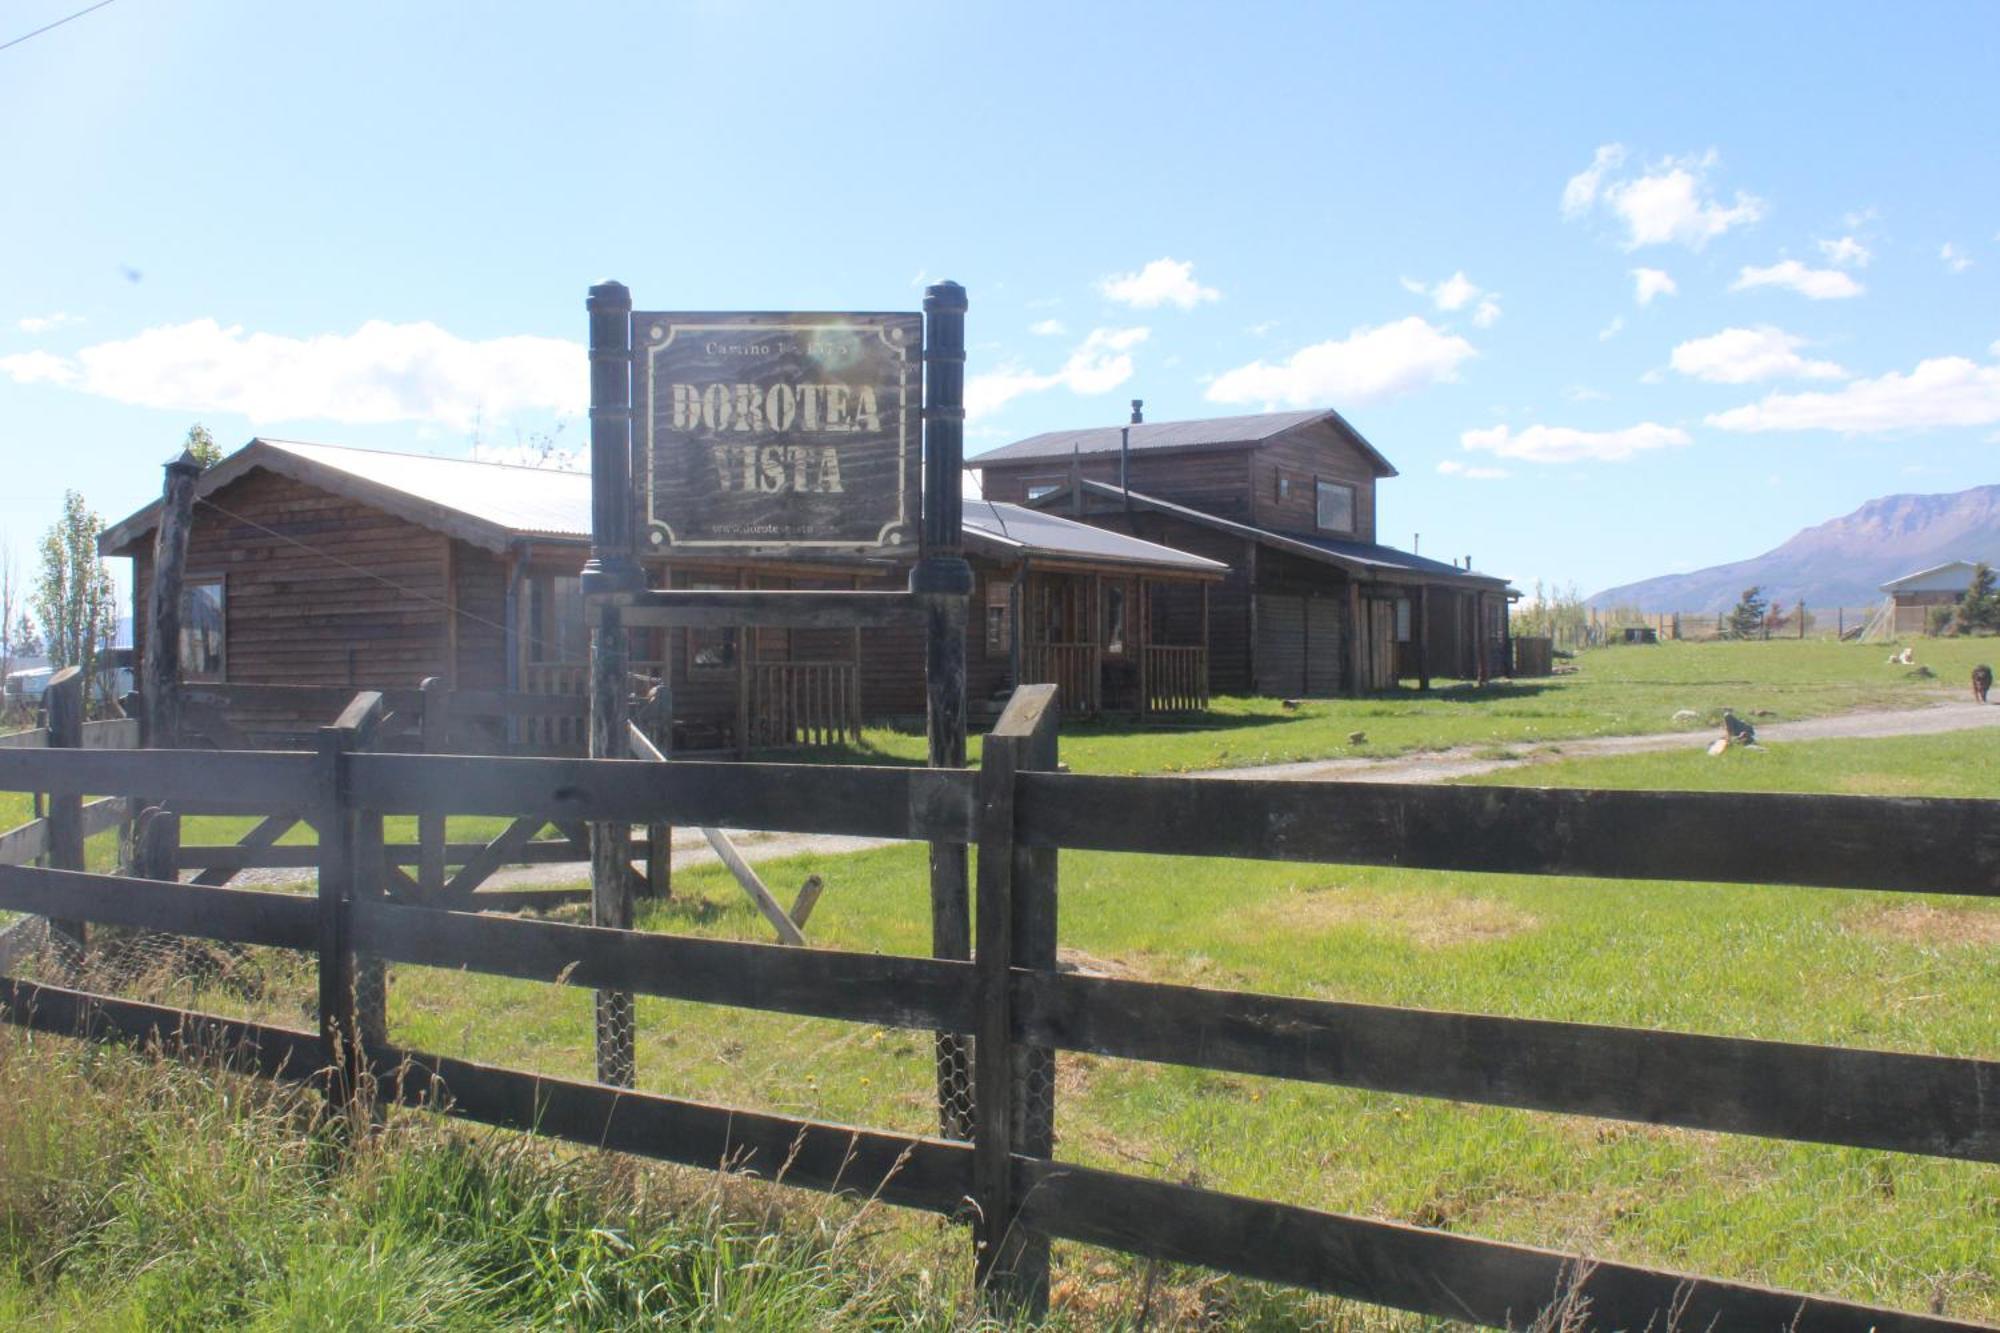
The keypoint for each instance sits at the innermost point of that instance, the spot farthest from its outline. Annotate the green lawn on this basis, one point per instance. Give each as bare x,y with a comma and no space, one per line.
1613,692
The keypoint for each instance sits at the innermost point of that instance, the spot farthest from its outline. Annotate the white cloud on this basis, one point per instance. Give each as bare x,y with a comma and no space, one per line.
1261,328
1162,282
1456,293
1048,328
1451,467
1611,330
381,372
1821,284
1847,252
1744,356
1942,392
1583,393
1099,364
1565,444
1668,202
55,319
1580,192
1648,283
1368,365
1954,258
38,368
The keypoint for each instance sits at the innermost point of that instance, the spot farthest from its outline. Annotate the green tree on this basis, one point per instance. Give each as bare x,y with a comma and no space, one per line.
203,446
74,598
1979,608
1747,620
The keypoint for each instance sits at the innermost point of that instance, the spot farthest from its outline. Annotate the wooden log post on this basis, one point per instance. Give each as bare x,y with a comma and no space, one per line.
341,870
1014,1083
435,731
63,701
159,687
943,579
613,568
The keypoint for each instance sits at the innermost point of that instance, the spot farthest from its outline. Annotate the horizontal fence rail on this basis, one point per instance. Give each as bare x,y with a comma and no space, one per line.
1833,842
1006,1182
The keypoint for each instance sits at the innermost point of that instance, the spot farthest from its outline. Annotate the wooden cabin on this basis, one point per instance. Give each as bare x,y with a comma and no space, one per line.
315,564
1312,604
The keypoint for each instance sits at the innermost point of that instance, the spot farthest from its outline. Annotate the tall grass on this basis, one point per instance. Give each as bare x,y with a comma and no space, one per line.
140,1194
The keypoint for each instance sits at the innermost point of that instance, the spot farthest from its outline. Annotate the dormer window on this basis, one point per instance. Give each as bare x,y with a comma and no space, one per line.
1335,506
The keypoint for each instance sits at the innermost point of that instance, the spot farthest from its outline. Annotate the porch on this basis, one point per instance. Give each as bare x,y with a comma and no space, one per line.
1109,642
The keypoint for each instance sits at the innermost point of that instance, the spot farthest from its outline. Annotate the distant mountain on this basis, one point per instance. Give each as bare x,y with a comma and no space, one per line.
1844,562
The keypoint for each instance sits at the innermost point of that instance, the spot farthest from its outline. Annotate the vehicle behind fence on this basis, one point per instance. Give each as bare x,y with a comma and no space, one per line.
1005,1180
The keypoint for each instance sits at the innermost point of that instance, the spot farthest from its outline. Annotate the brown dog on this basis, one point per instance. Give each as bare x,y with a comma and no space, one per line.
1982,681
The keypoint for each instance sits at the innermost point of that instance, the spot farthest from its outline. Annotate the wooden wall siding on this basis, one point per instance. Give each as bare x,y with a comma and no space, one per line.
1319,449
1215,481
1378,644
479,592
314,603
1230,662
1301,645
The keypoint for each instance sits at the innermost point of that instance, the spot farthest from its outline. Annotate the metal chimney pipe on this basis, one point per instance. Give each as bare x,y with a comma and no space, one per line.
1138,411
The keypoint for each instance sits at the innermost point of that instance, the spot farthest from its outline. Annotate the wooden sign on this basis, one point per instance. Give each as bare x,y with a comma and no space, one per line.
797,433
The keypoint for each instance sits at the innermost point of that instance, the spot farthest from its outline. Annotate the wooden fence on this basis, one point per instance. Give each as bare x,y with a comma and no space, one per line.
1176,678
1021,1011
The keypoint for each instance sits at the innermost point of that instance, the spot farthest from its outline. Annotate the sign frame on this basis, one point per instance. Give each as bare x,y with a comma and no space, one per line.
778,344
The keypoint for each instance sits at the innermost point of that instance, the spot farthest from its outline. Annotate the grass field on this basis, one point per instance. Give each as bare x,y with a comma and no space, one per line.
1884,971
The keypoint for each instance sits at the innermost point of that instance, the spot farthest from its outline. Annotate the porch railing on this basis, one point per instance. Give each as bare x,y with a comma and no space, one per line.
1074,668
1176,678
556,735
803,703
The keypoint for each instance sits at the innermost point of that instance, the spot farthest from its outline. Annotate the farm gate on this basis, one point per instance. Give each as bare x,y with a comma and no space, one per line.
1006,1180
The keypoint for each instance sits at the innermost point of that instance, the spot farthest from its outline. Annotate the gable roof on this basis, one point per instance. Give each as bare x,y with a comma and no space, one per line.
487,504
494,504
1211,432
1939,577
1364,559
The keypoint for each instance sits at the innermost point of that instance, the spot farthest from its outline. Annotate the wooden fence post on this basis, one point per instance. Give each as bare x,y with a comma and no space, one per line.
660,837
610,844
340,875
1014,1084
436,730
159,686
64,702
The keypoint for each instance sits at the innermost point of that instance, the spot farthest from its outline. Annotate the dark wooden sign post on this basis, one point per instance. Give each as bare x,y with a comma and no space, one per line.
798,435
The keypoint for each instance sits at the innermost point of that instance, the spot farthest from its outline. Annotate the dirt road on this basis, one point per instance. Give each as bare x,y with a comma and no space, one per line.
1470,761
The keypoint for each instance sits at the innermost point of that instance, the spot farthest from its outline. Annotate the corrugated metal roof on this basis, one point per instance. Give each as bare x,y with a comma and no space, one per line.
1355,556
1151,435
527,500
1032,532
1951,576
495,502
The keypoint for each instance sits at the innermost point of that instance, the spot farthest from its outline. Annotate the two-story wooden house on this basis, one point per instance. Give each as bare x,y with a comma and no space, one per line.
1312,603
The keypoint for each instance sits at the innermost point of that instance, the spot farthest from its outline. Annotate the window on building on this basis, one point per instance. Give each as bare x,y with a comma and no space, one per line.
1402,620
1336,506
1046,486
557,630
711,649
997,637
1114,618
204,623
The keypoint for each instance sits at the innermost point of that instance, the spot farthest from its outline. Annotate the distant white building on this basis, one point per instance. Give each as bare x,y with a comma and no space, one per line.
1912,596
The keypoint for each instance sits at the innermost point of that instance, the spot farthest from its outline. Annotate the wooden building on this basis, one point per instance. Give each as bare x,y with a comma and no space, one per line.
1912,596
314,564
1312,604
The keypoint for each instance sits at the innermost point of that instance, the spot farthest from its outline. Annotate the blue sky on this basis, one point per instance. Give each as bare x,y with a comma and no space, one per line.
1620,289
